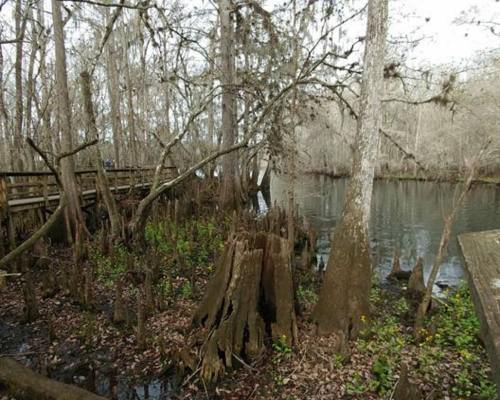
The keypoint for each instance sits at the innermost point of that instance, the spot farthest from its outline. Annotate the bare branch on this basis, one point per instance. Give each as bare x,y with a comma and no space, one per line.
122,4
107,33
45,159
28,244
197,166
76,150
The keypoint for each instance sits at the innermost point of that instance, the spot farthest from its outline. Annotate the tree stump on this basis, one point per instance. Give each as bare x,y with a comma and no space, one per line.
249,297
396,272
30,300
119,311
141,321
416,285
406,390
278,290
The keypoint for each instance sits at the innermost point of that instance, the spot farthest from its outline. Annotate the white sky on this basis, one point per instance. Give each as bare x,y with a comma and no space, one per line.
447,42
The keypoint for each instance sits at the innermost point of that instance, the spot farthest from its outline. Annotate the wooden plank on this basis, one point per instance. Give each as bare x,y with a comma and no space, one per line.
35,202
82,171
22,201
4,206
481,253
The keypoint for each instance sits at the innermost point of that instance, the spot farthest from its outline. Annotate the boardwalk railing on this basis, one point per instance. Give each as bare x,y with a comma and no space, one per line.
21,191
38,191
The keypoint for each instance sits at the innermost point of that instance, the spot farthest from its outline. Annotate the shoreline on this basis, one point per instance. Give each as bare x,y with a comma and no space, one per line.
495,180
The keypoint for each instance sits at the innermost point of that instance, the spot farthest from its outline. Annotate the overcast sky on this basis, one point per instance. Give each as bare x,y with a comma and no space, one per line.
447,40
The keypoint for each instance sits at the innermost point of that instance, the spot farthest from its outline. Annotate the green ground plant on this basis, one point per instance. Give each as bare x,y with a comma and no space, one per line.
188,249
451,342
109,268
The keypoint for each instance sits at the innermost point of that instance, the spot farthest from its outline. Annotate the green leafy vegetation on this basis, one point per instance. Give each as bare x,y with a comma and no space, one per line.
450,342
455,326
282,349
195,240
307,294
109,268
188,250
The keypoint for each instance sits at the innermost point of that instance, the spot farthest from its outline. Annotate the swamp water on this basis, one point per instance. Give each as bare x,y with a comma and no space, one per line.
405,214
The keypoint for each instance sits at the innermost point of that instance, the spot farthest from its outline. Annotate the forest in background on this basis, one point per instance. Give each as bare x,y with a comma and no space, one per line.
156,72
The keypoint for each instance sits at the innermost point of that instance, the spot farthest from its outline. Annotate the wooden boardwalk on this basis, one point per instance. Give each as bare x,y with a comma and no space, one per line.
22,191
28,193
481,253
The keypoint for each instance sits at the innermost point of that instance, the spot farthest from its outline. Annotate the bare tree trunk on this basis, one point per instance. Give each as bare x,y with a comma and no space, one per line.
20,27
230,188
67,164
344,297
4,117
52,138
102,179
25,383
417,135
114,96
132,135
144,99
30,162
291,158
212,138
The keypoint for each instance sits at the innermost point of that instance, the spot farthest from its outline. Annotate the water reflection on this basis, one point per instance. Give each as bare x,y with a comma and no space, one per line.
405,214
119,389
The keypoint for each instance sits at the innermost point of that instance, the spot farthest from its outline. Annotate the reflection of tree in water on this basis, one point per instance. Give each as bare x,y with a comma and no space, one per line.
406,214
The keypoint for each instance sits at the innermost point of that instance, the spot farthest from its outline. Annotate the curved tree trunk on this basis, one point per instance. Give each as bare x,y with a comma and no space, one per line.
27,384
344,297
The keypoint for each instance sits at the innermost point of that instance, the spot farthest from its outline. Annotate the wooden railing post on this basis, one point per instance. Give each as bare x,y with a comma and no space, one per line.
5,217
3,210
45,191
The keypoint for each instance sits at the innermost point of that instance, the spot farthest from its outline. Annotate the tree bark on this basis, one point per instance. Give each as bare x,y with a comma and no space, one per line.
20,27
4,117
27,384
132,135
29,155
344,296
67,163
250,294
114,96
102,179
230,187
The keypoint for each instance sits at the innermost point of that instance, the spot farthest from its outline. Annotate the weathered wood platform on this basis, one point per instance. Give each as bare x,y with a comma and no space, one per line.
481,253
21,191
36,192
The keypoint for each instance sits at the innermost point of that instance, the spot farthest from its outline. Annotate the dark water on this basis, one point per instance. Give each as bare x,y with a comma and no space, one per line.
405,214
